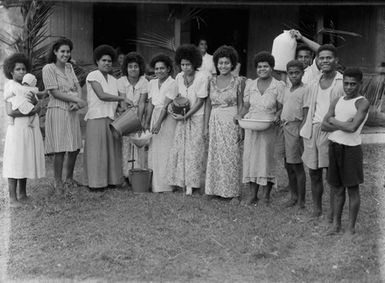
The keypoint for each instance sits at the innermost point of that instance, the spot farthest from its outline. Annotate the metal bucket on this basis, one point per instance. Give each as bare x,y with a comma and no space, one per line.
140,180
126,123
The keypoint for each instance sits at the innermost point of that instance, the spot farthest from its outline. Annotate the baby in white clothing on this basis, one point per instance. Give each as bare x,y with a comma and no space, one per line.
19,100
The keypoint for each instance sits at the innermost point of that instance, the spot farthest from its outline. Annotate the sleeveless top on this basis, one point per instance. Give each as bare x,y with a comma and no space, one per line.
345,110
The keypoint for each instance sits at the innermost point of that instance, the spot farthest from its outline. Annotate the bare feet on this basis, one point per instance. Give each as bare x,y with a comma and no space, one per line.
24,198
250,201
188,191
291,203
72,183
59,187
14,204
333,231
316,214
234,201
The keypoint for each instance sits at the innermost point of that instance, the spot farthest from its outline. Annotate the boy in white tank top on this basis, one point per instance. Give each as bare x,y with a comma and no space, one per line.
345,119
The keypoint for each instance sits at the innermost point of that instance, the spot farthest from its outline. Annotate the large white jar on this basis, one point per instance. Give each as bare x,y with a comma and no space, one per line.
284,46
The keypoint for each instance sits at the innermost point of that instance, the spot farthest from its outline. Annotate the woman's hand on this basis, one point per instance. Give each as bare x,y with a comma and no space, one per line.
241,135
81,103
277,120
31,98
169,109
74,106
36,109
155,130
177,117
236,118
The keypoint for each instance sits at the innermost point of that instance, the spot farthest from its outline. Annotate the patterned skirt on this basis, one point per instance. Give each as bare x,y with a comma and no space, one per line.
185,163
223,174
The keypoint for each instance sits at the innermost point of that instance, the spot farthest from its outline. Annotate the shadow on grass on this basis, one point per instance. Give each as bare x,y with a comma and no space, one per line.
120,236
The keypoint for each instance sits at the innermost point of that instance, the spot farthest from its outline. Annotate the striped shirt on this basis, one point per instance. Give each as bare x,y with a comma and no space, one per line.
66,82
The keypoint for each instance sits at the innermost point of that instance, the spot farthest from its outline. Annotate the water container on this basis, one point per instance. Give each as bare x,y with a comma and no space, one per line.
284,46
140,180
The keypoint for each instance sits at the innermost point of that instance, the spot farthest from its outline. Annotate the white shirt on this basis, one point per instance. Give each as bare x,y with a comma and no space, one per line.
98,108
311,73
167,89
198,89
208,64
133,92
322,104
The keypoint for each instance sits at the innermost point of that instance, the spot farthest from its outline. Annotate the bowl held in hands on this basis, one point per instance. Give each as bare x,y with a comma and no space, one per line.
255,125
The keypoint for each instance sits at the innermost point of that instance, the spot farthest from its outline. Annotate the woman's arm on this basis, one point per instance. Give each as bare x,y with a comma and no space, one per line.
162,116
103,95
149,109
207,114
142,106
16,113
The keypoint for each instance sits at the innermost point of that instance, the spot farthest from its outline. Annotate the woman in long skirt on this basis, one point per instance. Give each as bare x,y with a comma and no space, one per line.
133,85
23,156
186,157
261,102
162,91
103,151
223,173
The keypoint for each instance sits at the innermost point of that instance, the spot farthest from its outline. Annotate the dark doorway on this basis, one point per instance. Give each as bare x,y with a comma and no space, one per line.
224,26
115,24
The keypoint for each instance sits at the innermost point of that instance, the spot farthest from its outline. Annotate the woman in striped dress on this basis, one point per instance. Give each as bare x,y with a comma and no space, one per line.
62,120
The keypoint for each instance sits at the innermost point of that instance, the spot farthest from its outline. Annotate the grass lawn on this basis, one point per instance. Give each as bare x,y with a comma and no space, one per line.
120,236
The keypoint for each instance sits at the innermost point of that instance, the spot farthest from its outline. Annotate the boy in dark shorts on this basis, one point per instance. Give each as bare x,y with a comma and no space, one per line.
347,116
292,118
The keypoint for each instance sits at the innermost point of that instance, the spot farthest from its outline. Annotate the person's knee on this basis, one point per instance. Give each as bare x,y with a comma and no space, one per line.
338,191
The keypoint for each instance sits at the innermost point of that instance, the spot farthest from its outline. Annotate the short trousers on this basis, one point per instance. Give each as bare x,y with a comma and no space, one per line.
293,142
315,154
345,165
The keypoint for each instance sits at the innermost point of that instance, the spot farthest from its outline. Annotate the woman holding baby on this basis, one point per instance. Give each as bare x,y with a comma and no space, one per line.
62,120
23,149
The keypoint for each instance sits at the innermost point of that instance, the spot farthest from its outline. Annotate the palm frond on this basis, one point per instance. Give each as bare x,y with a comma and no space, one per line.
339,32
155,39
373,88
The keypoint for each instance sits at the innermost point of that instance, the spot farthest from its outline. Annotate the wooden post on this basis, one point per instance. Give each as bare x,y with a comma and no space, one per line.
177,31
320,25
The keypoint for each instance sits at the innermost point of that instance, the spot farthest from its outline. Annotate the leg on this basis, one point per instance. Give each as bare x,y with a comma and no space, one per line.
268,188
71,166
316,190
12,185
58,170
292,184
253,193
301,184
22,189
339,194
332,201
354,207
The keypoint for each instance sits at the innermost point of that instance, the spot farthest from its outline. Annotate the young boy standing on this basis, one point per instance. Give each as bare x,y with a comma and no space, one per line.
347,115
292,117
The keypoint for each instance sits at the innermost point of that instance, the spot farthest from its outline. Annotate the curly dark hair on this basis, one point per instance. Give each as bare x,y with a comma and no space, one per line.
51,57
264,56
102,50
226,51
133,57
11,61
164,59
294,63
352,72
189,52
327,47
304,47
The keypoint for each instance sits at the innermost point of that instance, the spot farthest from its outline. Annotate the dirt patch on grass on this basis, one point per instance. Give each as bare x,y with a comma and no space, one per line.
120,236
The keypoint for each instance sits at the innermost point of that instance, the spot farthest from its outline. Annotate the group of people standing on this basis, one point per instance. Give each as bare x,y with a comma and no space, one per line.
302,114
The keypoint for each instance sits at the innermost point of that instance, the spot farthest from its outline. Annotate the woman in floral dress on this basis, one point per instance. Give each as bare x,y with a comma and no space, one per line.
223,165
186,157
261,102
133,85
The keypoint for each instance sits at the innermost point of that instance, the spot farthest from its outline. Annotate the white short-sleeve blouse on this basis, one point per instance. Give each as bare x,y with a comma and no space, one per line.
133,92
98,108
198,89
167,89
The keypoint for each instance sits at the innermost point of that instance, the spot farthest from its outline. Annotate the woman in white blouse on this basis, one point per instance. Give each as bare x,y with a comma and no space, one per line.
162,91
102,152
186,156
134,86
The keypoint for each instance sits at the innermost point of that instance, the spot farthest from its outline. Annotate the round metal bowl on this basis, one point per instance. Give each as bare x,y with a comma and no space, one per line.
255,125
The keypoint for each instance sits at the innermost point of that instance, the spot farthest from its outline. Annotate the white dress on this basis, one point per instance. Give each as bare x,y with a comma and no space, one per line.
161,143
133,93
23,149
